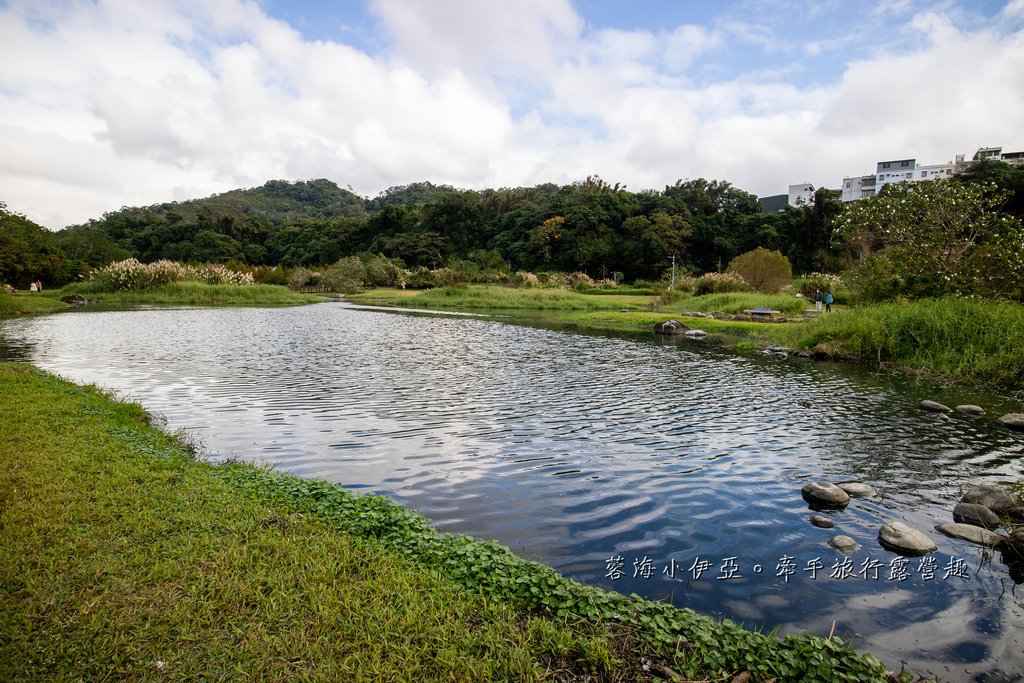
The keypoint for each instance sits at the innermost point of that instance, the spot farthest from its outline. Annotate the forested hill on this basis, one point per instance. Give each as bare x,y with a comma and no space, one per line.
589,226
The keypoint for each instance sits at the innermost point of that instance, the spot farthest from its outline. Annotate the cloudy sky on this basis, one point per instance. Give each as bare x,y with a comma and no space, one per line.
111,103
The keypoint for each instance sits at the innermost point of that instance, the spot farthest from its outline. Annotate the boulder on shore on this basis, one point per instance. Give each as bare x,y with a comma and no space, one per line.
825,495
993,496
904,540
935,407
670,327
74,299
977,515
969,532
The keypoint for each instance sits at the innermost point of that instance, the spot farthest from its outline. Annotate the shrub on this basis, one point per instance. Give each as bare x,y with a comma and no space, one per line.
765,271
421,278
526,279
346,276
301,277
720,283
812,282
380,271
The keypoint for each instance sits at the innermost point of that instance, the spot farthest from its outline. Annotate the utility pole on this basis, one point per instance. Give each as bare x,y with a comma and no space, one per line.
673,285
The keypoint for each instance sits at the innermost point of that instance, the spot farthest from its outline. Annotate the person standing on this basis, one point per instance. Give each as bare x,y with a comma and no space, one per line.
828,302
818,298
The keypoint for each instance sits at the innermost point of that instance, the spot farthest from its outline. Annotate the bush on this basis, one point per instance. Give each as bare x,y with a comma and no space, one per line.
766,271
720,283
811,283
526,279
345,276
379,271
301,277
421,278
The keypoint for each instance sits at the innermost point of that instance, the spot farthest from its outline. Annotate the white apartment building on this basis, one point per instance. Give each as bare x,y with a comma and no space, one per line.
904,170
801,194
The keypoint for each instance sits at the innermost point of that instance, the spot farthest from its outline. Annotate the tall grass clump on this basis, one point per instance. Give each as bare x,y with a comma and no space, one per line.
718,283
965,339
131,275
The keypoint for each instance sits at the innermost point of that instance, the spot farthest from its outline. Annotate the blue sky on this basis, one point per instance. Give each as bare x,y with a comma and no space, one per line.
105,103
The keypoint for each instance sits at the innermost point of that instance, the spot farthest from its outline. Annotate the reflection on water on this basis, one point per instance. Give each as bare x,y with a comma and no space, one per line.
669,469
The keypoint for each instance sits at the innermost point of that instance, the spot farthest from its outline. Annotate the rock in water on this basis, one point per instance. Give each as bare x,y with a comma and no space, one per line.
858,490
1013,421
697,334
900,538
843,544
935,407
822,522
978,515
971,410
993,496
824,494
974,534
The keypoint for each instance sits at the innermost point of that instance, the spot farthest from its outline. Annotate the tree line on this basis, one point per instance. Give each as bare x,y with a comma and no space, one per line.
590,226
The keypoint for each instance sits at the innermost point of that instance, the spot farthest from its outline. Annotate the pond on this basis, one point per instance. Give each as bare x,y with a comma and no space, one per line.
667,468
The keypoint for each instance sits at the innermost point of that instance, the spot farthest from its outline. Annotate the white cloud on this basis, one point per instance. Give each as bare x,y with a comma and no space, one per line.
120,103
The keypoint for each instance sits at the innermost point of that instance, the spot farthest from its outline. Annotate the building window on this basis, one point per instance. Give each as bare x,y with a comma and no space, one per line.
904,164
885,165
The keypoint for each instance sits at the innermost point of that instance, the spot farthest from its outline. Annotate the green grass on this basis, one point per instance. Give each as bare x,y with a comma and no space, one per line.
975,341
736,302
491,298
123,558
21,303
196,293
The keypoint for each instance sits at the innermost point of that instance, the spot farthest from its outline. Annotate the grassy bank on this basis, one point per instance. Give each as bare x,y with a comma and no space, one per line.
974,341
21,303
196,293
122,557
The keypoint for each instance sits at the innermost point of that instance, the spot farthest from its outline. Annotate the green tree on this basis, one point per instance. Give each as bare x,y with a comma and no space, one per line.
30,252
765,271
939,237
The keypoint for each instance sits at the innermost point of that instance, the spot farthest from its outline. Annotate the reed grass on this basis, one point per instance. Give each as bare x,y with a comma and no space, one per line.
968,340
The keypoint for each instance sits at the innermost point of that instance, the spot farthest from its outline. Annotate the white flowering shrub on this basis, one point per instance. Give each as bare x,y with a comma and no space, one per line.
718,283
130,274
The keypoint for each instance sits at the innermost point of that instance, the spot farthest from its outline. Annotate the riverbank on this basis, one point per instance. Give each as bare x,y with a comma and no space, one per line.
198,293
23,303
186,569
973,342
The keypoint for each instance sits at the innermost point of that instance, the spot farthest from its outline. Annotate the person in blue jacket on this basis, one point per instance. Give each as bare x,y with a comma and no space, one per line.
828,302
